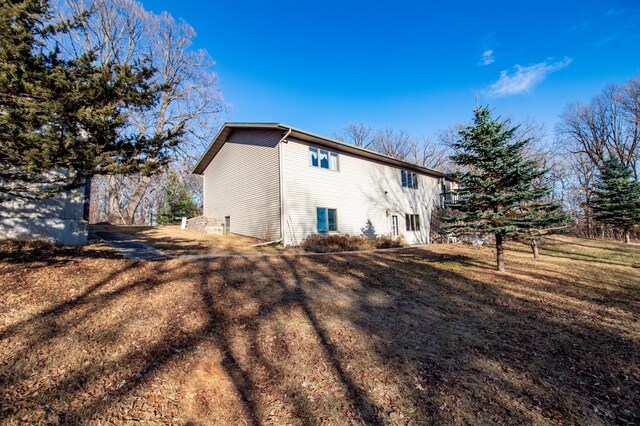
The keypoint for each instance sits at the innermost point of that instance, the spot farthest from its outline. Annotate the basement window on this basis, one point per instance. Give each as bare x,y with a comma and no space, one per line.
327,219
413,222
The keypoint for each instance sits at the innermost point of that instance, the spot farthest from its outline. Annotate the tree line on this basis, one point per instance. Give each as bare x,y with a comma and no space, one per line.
515,183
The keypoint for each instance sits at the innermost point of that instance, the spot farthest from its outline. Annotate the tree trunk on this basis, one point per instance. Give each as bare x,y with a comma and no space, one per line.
499,253
133,203
113,213
627,236
534,249
124,210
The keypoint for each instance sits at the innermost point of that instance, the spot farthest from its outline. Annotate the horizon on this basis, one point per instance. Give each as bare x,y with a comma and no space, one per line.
321,67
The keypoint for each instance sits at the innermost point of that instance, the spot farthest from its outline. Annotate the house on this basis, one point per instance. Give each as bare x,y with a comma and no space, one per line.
60,219
275,182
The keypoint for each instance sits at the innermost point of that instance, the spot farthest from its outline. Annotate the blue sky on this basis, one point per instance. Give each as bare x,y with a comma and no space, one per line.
415,66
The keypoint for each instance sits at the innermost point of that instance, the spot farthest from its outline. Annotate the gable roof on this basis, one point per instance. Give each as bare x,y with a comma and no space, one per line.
304,135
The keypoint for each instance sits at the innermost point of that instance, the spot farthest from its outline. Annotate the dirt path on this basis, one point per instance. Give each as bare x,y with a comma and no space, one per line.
131,247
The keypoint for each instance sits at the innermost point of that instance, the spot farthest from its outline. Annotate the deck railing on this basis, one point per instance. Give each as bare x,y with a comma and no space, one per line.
448,198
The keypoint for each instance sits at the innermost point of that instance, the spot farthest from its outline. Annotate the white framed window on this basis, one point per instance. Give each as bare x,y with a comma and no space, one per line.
323,159
413,222
327,219
409,179
313,157
333,161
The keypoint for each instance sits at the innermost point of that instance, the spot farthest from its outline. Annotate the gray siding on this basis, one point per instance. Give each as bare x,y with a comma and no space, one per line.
362,190
243,182
57,219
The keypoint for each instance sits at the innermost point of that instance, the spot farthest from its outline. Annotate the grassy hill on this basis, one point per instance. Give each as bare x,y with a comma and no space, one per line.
415,336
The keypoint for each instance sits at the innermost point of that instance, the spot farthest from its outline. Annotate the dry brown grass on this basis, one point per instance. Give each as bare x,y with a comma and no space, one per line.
428,335
172,240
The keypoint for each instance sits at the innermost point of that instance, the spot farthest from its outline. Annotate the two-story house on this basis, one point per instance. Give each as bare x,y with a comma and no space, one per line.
275,182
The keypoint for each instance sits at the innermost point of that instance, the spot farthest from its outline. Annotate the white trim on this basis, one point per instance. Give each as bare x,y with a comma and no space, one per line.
281,173
329,152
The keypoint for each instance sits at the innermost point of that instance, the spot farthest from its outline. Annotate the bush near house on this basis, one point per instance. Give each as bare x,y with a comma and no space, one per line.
333,243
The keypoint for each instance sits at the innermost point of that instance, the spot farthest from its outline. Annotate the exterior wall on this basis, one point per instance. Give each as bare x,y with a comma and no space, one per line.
59,219
361,190
243,182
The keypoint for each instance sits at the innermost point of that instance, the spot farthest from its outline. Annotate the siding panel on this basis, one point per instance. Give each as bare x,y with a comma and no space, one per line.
363,191
57,219
242,181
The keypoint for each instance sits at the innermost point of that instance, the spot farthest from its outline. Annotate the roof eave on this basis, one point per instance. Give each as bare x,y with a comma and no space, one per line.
224,132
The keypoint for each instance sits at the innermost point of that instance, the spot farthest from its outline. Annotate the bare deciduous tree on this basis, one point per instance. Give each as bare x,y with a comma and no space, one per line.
428,153
355,133
190,103
607,127
394,143
424,151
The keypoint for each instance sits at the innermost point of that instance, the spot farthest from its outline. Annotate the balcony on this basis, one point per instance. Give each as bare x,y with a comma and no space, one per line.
448,198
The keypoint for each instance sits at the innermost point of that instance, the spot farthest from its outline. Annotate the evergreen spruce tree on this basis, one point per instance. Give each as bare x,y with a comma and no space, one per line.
177,200
66,113
500,184
617,198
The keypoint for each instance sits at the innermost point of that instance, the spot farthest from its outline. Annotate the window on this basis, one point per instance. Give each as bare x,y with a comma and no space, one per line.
333,161
321,215
323,159
394,225
413,222
331,214
327,219
409,179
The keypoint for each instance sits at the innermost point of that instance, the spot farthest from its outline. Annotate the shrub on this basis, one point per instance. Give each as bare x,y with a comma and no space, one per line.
320,243
387,241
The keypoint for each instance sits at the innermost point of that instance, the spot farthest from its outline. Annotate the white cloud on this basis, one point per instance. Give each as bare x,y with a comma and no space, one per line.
487,57
523,79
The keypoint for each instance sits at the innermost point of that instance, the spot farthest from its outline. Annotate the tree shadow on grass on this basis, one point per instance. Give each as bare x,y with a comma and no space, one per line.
176,241
616,246
38,253
360,338
558,360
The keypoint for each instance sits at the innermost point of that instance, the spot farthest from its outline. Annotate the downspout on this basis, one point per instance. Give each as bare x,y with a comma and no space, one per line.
281,167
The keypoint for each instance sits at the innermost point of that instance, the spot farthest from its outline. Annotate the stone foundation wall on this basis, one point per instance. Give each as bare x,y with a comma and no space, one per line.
206,225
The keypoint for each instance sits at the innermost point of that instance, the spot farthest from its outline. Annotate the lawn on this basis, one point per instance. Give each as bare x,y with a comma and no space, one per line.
172,240
421,335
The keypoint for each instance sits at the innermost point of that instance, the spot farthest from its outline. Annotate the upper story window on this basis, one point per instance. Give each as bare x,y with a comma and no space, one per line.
323,158
409,179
